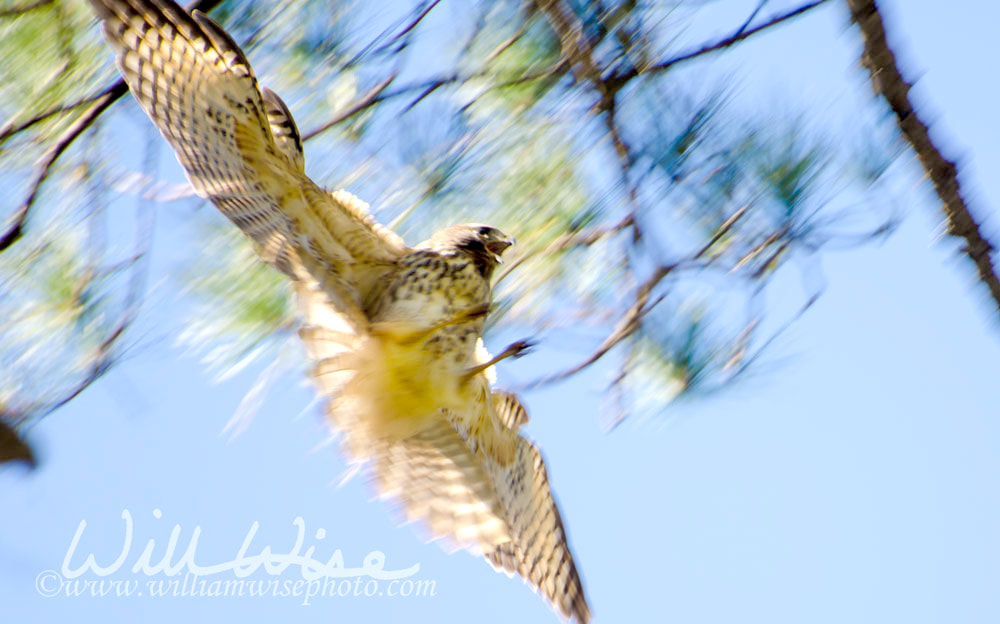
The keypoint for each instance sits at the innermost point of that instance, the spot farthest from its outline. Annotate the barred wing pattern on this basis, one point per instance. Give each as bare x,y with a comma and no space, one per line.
538,550
241,149
466,473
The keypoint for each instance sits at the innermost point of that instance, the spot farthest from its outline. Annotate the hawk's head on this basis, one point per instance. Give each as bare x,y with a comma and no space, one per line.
483,243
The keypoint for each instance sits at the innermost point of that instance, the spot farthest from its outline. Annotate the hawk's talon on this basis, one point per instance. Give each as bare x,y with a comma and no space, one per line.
513,350
519,349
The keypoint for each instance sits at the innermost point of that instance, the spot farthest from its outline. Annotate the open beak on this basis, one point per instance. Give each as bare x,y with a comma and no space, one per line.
497,248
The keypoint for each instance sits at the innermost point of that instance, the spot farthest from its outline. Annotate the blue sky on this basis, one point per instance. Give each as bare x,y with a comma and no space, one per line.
853,480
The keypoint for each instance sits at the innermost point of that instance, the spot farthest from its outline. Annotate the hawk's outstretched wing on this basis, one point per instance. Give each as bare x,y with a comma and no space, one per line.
439,442
436,480
240,148
538,550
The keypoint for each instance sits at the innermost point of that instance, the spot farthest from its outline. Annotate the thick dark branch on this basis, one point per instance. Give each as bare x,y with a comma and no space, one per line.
12,447
880,61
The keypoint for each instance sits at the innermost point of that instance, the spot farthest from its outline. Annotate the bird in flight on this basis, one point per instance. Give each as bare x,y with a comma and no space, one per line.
394,333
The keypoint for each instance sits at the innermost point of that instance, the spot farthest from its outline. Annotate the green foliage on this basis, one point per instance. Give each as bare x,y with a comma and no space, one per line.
240,304
51,56
526,46
630,191
58,318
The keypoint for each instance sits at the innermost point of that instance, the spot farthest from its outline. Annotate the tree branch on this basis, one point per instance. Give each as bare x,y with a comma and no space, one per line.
742,33
416,20
640,307
369,99
99,103
31,6
749,20
12,447
20,216
887,81
380,92
9,129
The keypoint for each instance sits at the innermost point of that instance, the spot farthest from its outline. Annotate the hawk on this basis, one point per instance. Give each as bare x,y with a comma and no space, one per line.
394,332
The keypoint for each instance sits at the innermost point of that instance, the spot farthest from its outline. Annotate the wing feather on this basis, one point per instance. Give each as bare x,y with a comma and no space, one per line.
437,480
509,410
283,129
468,476
240,148
538,551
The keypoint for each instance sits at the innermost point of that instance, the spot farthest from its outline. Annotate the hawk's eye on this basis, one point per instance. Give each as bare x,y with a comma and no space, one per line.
485,230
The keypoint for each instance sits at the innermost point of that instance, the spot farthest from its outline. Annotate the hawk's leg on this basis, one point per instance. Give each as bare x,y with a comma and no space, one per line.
514,350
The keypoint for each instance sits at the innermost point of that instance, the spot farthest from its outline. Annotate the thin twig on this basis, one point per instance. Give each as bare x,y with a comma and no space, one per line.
723,230
106,353
100,103
504,45
745,362
625,328
757,249
380,92
579,51
16,229
640,307
741,34
369,99
31,6
568,241
749,20
370,49
9,130
419,18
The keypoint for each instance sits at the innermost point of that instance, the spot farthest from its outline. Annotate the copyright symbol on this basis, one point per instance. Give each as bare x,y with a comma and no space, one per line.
48,583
